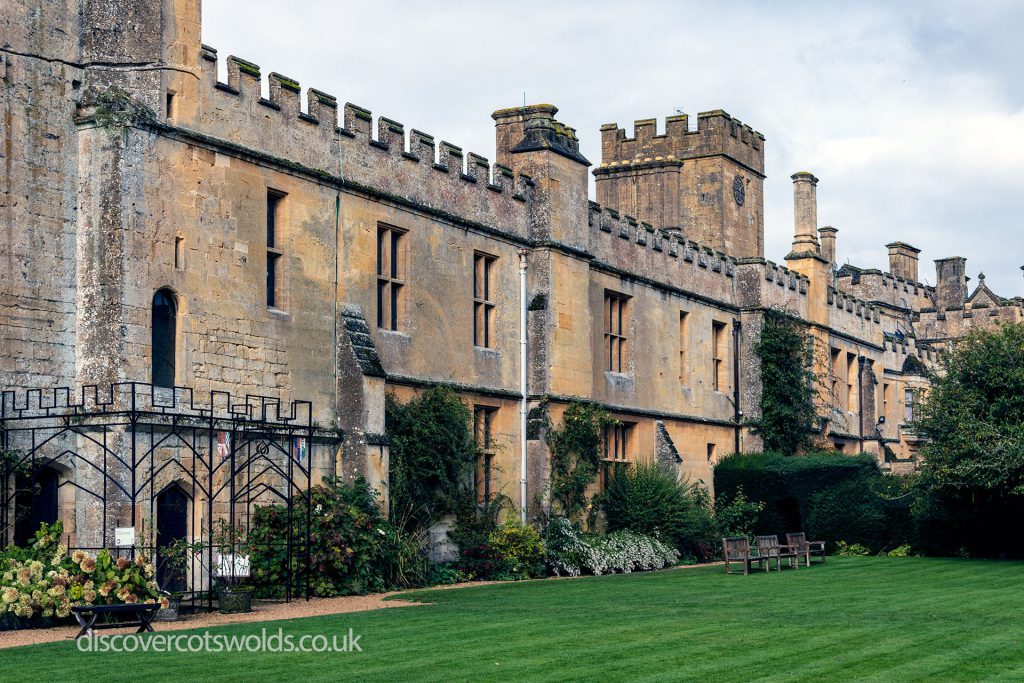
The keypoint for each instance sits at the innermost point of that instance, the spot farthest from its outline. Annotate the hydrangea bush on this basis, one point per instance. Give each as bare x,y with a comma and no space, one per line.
44,581
571,553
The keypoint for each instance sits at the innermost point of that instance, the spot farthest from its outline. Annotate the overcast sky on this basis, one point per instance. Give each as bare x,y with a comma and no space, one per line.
911,114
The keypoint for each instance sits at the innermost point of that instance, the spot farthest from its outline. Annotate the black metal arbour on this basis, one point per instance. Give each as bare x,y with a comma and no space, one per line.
119,447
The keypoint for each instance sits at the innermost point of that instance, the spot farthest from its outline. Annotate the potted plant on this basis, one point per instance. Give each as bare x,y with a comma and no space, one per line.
170,567
234,599
232,568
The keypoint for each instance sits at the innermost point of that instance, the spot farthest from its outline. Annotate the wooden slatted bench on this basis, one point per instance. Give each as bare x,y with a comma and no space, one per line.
138,614
737,550
806,548
769,546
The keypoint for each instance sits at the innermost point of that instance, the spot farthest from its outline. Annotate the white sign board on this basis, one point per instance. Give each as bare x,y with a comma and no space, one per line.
124,536
233,566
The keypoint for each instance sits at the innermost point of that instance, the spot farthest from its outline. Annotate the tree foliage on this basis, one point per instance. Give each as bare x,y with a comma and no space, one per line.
432,455
787,384
576,457
973,416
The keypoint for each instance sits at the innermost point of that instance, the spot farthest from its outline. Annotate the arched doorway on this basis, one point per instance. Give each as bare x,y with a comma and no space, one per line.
164,339
35,503
171,527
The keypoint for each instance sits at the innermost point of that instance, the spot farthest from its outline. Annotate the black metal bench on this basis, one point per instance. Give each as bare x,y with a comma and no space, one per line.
138,614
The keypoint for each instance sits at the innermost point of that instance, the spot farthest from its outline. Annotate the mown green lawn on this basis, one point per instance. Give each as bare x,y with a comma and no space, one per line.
850,619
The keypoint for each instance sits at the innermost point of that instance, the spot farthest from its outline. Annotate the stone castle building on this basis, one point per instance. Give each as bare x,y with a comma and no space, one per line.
160,226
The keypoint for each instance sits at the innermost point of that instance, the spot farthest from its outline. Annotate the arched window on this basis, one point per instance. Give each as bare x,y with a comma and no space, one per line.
165,332
35,503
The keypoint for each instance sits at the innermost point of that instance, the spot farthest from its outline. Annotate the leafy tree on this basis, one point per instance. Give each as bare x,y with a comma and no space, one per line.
432,455
973,417
787,384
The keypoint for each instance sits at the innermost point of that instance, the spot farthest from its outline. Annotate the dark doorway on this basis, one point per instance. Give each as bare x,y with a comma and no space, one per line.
171,526
165,330
35,503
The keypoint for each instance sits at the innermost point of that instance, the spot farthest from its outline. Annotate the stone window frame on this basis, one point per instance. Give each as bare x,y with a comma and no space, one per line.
617,449
484,305
483,440
275,255
616,327
719,377
684,340
391,276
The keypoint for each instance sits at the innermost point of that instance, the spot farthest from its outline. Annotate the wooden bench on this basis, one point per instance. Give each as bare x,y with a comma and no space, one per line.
737,549
139,614
770,547
805,548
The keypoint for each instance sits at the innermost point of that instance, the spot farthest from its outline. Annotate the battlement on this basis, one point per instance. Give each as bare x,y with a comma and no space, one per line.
887,280
665,256
434,174
378,153
277,125
717,133
841,301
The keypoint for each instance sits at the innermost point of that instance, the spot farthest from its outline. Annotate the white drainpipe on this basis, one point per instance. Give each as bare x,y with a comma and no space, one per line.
522,382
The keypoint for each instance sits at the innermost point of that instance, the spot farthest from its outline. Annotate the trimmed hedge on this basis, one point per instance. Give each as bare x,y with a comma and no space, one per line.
831,497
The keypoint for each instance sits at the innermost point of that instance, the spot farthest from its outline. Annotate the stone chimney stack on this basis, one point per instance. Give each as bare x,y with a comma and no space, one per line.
827,235
903,260
951,282
510,128
805,213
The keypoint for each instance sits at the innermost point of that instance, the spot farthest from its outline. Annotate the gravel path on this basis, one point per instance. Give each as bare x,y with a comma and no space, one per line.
262,611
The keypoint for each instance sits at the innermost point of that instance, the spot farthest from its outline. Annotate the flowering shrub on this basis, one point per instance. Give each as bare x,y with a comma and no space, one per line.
521,548
571,553
43,581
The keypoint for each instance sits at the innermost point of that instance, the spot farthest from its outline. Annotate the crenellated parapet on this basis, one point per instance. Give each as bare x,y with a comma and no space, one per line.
885,288
716,133
276,125
412,165
853,316
636,247
379,154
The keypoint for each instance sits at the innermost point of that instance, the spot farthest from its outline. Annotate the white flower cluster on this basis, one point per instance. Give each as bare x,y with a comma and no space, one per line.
572,553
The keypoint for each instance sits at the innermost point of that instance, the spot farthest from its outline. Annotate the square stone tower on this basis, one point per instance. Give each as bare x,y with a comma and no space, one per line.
708,183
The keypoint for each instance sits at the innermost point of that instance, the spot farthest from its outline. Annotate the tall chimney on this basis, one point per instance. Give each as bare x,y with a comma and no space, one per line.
903,260
827,235
951,282
805,213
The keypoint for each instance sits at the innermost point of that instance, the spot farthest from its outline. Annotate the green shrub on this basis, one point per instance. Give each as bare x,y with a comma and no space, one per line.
649,500
354,549
520,547
829,496
900,551
844,549
444,574
735,515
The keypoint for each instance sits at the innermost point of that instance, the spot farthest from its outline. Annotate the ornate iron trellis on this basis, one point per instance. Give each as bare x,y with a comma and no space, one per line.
120,447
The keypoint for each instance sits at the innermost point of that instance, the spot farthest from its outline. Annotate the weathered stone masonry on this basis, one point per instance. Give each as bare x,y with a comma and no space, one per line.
129,168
